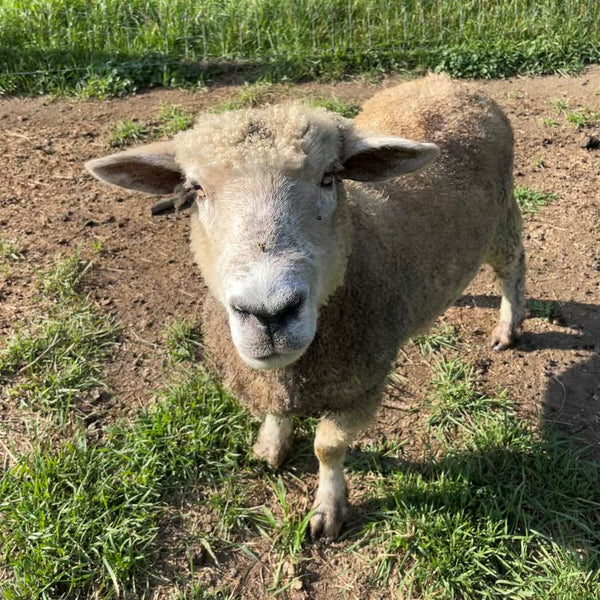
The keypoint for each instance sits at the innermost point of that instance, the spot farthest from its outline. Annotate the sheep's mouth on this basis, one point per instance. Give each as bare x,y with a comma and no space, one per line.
273,360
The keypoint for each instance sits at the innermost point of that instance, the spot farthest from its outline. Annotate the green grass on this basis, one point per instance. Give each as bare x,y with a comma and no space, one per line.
250,96
580,118
258,94
530,200
542,309
182,340
500,512
8,252
108,48
51,362
128,132
171,119
85,517
550,122
346,109
583,118
441,337
457,397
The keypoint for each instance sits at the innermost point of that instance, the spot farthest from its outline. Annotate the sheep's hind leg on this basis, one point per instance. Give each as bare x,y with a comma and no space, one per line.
508,261
274,440
335,432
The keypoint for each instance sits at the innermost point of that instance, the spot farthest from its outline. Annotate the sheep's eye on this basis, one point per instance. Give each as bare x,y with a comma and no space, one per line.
327,180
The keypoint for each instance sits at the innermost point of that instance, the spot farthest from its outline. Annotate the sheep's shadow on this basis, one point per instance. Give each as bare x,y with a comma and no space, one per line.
572,397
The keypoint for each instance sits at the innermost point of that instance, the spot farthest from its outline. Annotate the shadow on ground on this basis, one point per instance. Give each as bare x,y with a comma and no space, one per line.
572,397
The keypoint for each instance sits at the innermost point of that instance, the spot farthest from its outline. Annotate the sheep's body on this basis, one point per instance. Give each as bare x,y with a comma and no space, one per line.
417,241
317,284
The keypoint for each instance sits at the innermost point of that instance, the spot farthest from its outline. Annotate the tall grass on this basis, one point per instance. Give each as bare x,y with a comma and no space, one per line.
110,46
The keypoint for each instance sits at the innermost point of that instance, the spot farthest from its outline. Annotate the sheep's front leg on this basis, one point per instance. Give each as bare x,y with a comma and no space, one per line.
335,432
274,440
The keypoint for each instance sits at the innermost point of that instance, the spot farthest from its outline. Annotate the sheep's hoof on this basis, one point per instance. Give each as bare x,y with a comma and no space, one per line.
329,516
274,453
504,336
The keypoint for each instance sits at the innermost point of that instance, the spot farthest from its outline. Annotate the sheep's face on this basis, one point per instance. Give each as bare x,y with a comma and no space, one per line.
270,228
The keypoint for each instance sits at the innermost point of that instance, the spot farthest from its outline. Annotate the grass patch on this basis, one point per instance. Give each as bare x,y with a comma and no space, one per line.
111,48
550,122
542,309
442,337
250,96
583,118
182,340
530,200
287,533
494,509
8,252
580,118
51,362
171,119
457,397
346,109
128,132
499,512
81,521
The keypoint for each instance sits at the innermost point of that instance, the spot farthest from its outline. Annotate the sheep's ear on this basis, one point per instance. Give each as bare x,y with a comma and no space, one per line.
375,158
151,169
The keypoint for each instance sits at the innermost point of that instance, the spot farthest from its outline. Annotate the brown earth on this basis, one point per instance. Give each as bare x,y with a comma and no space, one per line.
144,273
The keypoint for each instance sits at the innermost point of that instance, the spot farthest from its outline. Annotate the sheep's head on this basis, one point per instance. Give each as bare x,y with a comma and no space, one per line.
270,228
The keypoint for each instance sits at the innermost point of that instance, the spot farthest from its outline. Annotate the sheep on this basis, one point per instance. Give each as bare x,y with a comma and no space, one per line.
321,258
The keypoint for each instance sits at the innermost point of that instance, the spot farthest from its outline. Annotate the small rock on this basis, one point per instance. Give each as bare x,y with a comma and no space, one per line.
589,142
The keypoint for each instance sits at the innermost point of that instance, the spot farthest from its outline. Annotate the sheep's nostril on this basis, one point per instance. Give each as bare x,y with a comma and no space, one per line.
289,310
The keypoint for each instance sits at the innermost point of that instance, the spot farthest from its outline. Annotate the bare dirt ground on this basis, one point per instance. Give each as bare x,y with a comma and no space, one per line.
144,273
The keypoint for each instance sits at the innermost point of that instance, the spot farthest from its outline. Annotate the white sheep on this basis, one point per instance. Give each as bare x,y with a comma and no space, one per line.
315,280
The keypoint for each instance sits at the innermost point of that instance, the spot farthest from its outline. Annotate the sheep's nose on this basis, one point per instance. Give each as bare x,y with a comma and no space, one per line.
275,314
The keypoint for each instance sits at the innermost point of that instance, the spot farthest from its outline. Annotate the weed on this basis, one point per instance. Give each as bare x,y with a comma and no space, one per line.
182,340
442,337
199,592
560,105
583,118
542,309
289,532
128,132
382,456
550,122
8,252
530,200
250,96
61,282
173,119
539,163
346,109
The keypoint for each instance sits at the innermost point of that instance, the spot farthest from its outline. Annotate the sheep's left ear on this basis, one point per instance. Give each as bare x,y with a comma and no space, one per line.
375,158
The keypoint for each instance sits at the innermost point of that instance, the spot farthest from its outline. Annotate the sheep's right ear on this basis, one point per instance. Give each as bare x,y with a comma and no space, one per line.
151,169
